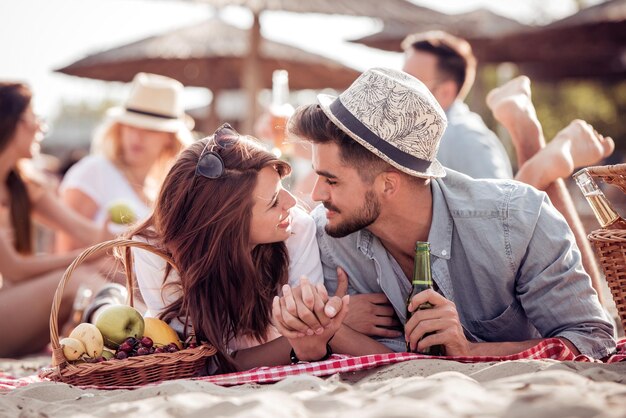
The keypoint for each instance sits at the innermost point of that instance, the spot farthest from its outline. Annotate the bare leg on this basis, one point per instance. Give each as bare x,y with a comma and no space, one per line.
577,145
25,309
512,106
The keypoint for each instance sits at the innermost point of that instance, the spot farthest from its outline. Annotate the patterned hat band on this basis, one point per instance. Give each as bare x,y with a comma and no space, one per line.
358,128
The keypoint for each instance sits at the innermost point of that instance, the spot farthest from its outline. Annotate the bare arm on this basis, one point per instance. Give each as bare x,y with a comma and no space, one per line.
17,267
272,353
444,324
508,348
72,218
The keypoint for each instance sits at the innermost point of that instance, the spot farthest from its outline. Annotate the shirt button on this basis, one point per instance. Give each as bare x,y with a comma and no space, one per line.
444,252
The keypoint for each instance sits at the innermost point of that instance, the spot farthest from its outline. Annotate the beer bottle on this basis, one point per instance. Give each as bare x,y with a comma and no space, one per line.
280,109
602,208
422,280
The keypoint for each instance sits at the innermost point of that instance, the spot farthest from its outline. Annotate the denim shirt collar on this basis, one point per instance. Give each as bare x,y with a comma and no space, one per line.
364,240
440,235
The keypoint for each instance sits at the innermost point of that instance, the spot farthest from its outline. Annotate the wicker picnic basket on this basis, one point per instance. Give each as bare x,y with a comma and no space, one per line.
610,244
131,371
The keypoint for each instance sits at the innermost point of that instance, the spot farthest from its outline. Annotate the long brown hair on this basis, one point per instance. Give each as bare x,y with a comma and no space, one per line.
204,225
14,100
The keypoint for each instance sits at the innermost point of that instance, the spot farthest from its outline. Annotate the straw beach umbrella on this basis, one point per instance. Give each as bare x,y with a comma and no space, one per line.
475,26
396,10
211,54
588,44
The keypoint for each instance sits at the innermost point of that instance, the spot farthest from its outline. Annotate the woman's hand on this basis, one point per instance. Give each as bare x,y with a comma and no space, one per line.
307,309
309,318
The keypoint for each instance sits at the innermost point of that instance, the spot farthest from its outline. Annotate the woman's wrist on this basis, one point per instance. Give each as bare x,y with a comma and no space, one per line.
314,353
295,358
311,352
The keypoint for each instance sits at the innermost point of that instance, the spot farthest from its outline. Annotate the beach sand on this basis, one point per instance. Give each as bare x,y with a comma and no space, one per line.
424,388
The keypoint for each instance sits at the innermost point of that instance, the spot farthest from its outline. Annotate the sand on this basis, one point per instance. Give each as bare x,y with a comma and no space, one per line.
418,388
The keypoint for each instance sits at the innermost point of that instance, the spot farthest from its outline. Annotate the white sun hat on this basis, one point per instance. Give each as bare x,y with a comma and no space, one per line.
155,103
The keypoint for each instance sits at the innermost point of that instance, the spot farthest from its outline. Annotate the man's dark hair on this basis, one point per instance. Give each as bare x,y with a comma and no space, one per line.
311,123
455,59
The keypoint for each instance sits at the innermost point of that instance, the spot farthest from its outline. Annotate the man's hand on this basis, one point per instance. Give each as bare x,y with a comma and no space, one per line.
442,320
372,315
301,315
307,309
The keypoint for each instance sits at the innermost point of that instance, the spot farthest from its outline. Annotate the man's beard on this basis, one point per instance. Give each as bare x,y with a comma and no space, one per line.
364,217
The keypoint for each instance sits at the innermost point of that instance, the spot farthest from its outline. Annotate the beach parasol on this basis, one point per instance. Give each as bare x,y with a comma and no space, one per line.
396,10
588,44
212,54
475,26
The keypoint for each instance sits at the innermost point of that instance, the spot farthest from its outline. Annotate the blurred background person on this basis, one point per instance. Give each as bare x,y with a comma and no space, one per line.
131,154
28,278
447,66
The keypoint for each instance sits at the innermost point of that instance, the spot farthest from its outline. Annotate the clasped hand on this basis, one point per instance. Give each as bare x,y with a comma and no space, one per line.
308,317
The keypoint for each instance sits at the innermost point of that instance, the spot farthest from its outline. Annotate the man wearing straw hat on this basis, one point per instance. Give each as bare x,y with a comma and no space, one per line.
504,262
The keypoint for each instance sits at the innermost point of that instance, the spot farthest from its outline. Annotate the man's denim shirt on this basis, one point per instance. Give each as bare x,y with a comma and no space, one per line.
500,251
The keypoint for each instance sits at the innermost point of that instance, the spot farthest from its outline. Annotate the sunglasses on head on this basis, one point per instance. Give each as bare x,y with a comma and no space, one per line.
210,165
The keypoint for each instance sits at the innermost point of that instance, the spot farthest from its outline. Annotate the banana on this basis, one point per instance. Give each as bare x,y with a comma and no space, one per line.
91,338
72,348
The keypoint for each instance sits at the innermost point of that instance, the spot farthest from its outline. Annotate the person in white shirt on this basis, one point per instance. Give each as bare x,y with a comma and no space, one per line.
132,152
237,241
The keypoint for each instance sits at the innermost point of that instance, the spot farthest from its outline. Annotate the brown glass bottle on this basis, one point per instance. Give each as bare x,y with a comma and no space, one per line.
606,215
422,280
280,110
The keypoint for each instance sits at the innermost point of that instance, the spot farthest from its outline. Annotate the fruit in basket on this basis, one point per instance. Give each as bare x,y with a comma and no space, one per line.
160,333
119,322
91,338
73,349
122,213
108,355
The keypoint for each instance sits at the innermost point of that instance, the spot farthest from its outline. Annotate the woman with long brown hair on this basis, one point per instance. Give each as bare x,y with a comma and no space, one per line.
237,239
27,279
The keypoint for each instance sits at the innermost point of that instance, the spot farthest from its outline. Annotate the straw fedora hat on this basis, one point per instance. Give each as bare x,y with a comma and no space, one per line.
155,102
394,115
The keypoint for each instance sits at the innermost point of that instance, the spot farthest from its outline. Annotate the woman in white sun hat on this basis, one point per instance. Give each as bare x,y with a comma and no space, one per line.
131,154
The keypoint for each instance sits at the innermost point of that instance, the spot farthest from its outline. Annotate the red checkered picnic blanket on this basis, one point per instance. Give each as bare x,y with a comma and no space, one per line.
551,348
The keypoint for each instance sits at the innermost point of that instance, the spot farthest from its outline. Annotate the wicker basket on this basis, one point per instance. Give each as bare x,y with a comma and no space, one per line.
610,244
133,370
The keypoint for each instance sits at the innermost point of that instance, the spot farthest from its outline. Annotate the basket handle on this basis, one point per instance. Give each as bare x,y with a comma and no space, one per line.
611,174
57,352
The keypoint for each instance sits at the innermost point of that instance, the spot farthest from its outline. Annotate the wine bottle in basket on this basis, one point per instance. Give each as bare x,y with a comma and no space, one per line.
606,215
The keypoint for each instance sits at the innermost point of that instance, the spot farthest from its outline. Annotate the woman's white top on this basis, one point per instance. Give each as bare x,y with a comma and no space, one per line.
304,260
98,178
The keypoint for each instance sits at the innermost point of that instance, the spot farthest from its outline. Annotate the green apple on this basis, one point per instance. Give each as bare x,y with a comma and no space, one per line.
118,322
121,213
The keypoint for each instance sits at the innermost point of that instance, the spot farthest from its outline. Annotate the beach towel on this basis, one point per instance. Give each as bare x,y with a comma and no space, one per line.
551,348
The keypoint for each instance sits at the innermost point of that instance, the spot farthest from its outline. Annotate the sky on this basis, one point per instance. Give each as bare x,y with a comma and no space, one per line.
38,36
